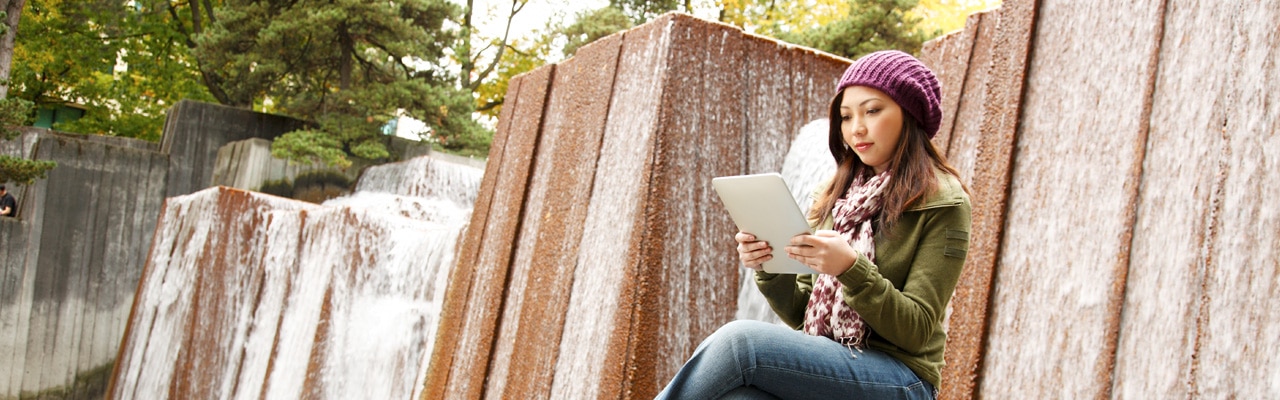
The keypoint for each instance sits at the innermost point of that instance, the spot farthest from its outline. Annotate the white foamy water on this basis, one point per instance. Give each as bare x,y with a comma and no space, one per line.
425,177
252,296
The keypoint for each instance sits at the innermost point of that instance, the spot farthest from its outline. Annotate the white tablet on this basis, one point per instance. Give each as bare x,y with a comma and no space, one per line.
762,205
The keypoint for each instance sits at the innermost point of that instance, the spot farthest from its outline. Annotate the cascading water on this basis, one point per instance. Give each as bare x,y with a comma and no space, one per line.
251,296
807,165
431,190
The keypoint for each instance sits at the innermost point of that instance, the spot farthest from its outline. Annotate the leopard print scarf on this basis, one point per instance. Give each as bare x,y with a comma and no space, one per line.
827,314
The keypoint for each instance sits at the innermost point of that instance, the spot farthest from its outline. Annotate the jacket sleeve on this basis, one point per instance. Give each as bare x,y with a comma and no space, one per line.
787,295
908,317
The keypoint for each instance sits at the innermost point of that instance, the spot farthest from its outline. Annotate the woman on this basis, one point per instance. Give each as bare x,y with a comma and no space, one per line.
891,234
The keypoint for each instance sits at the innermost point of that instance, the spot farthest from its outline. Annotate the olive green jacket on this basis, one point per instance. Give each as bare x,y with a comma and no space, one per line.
903,296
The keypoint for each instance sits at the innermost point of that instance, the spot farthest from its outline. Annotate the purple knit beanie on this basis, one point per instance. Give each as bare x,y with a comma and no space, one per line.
905,79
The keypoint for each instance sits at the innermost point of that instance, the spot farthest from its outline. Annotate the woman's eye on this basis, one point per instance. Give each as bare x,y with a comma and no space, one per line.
873,111
845,117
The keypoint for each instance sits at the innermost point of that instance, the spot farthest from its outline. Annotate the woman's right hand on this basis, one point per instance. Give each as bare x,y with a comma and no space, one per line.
751,251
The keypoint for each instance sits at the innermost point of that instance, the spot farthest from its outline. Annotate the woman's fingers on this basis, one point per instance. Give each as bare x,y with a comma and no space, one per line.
752,252
824,251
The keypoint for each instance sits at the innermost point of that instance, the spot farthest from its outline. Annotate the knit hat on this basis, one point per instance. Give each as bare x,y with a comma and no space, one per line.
905,79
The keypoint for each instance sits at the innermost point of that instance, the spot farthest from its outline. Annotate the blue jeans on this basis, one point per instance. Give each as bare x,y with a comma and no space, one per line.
757,360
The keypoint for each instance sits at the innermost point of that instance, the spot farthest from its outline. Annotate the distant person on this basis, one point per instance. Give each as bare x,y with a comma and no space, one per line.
891,234
8,205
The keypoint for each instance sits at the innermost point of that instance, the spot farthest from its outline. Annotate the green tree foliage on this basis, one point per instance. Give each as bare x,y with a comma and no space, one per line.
641,11
23,171
868,26
595,24
348,65
124,62
15,111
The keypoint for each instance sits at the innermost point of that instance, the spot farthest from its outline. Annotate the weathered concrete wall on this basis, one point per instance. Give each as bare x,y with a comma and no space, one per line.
596,245
1065,246
72,268
1204,265
194,131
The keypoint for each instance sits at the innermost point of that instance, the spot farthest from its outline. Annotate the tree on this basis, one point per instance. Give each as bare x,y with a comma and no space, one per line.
14,111
347,65
868,26
589,26
125,65
521,56
949,15
525,55
641,11
10,14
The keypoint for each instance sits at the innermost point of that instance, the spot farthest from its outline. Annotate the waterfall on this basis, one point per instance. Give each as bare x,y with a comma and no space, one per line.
248,295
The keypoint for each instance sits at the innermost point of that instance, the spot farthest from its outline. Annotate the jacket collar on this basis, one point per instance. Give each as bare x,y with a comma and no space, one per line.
949,193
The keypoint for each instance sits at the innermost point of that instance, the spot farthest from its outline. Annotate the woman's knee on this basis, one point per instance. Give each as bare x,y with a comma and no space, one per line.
742,326
738,339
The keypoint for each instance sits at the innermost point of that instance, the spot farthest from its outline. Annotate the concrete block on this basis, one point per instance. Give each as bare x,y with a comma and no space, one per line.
194,131
685,277
542,268
967,312
15,303
1203,255
88,224
949,58
1069,214
1005,65
649,258
471,320
588,365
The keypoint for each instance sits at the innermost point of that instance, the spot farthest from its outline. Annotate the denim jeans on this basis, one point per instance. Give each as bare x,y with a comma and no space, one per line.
758,360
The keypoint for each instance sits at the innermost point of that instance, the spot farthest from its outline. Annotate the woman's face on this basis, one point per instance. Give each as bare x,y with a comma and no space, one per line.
870,123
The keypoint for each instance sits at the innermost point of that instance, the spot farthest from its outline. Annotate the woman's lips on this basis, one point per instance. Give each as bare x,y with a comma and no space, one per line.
862,146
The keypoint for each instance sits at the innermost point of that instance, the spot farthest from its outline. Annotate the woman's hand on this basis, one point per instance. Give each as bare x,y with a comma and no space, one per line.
825,251
752,252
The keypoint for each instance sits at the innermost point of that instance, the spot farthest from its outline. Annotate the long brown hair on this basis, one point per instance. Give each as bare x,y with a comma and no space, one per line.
911,168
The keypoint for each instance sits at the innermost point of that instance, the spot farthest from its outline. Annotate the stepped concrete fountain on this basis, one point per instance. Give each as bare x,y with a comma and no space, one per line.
1122,244
247,295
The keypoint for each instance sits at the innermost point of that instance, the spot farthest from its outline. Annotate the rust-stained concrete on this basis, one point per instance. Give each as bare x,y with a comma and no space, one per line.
1203,272
964,88
470,320
949,58
1070,208
620,309
681,270
559,191
251,296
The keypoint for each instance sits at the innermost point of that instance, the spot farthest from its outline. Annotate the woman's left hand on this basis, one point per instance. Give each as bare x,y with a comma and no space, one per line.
825,251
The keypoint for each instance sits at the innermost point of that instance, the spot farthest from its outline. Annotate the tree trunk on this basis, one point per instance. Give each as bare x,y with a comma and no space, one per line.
13,11
465,48
348,49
